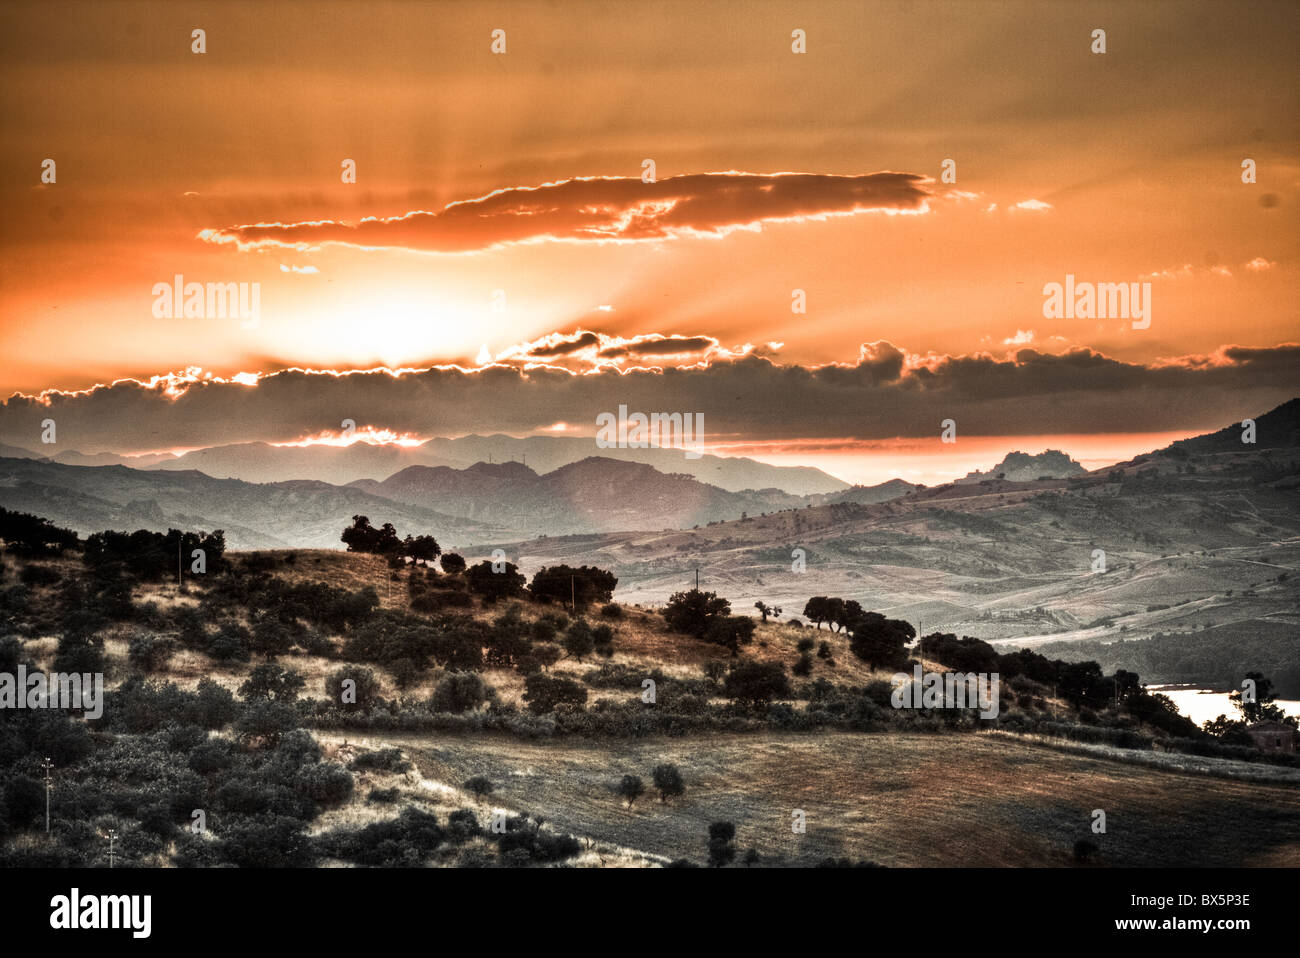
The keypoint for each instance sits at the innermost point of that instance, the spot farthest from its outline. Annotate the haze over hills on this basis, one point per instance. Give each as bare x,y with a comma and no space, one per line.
302,513
1191,541
264,462
596,494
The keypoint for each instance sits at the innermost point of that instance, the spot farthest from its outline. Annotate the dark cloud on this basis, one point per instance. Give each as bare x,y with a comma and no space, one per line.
661,346
565,347
882,395
602,209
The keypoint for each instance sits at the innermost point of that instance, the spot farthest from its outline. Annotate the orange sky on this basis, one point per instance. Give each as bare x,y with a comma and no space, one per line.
1127,165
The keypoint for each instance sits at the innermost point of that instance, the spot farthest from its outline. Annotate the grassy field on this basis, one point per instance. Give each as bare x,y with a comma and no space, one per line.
898,800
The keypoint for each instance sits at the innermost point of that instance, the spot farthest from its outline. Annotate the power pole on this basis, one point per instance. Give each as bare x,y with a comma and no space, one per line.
697,580
49,767
112,837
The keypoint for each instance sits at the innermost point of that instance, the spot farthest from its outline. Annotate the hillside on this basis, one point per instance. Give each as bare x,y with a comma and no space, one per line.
1192,541
300,513
593,495
264,462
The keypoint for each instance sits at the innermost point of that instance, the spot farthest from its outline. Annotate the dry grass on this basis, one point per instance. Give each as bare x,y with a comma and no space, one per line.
900,800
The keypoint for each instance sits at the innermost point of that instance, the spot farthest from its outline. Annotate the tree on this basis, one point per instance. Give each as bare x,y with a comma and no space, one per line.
631,788
578,640
272,683
765,610
721,850
452,563
756,683
668,781
582,586
271,637
485,581
361,536
733,631
421,548
881,642
694,612
820,609
1261,708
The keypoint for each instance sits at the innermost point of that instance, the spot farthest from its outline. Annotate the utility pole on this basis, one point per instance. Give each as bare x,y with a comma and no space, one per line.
49,767
180,548
573,596
697,580
112,837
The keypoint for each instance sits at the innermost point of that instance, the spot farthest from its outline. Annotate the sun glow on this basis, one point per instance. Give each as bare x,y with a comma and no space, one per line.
367,434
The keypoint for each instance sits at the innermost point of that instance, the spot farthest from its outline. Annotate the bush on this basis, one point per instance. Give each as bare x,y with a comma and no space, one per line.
382,760
325,783
39,575
452,563
353,688
460,692
272,683
756,683
265,723
544,693
731,631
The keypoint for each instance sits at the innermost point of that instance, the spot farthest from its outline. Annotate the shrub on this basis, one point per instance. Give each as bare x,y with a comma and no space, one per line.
757,683
38,575
353,688
272,683
325,783
452,563
149,653
265,723
460,692
382,760
544,693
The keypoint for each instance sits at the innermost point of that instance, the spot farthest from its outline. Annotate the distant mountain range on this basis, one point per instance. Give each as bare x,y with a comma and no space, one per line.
494,502
299,514
594,495
264,462
1022,467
